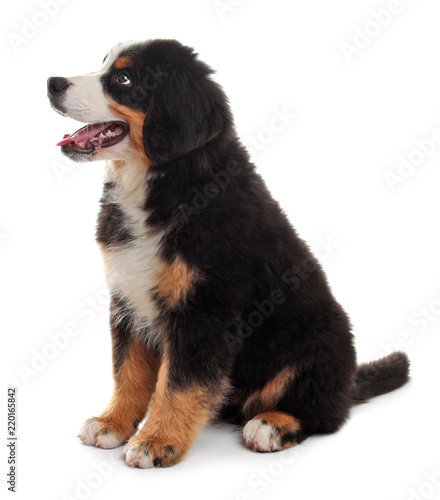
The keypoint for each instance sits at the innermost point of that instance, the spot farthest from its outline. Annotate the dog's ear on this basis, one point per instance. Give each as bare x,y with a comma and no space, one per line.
187,110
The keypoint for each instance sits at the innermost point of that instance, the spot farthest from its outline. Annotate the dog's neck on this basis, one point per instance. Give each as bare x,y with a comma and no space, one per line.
130,175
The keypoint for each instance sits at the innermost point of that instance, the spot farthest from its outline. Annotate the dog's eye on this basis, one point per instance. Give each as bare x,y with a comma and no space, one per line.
123,79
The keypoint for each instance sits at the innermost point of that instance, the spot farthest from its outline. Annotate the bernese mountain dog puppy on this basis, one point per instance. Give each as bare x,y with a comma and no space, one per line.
218,308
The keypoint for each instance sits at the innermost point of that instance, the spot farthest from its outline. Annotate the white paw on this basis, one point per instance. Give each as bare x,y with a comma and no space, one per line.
94,433
89,431
107,439
261,436
137,456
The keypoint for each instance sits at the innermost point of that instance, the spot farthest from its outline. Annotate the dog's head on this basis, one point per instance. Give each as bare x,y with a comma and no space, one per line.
153,99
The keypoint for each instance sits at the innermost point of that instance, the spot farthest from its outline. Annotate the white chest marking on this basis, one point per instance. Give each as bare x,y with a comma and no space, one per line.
131,267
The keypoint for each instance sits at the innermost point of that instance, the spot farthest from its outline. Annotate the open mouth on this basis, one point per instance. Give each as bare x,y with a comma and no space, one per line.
91,137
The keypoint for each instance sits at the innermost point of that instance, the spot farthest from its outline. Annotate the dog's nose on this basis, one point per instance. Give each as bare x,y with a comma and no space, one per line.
57,84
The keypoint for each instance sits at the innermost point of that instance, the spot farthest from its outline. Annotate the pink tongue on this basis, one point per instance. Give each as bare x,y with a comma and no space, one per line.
81,135
65,141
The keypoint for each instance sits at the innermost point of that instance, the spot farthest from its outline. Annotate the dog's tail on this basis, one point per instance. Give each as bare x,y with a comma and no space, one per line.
381,376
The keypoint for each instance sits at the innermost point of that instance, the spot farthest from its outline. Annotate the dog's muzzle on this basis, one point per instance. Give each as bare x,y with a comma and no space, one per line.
56,90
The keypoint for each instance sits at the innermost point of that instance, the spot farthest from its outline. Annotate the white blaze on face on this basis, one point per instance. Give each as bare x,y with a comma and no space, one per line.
85,99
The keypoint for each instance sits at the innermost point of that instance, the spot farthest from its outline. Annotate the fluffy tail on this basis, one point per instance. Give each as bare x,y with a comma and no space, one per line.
381,376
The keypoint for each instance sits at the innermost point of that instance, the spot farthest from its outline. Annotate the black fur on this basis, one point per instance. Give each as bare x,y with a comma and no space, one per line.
262,302
121,330
239,239
111,228
379,377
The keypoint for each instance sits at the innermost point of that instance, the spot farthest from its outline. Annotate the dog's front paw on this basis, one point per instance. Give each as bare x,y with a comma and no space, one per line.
101,433
151,452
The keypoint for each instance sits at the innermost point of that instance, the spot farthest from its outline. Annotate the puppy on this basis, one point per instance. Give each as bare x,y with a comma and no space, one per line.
218,308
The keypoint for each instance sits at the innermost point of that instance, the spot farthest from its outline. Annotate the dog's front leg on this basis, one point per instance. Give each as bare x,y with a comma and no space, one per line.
192,383
135,369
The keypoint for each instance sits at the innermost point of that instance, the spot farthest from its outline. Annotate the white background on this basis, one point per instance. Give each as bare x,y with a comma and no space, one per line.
354,118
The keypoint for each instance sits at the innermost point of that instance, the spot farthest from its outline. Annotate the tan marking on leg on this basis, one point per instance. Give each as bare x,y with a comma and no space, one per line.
174,281
174,421
282,420
134,385
266,399
123,62
135,118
